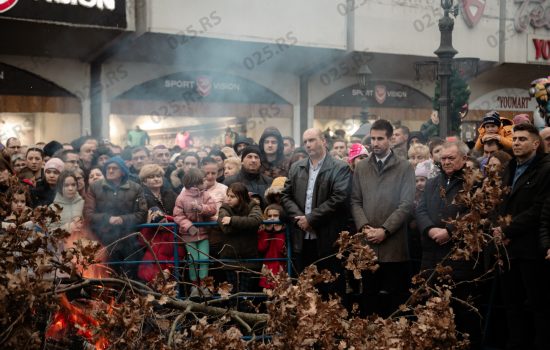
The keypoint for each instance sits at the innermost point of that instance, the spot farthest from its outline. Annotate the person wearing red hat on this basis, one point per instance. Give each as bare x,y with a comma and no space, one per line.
357,152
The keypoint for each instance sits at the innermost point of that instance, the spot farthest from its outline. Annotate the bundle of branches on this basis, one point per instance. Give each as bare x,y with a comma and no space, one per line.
118,313
30,259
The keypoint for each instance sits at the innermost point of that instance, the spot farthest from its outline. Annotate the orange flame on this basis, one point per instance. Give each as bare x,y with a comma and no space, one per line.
70,318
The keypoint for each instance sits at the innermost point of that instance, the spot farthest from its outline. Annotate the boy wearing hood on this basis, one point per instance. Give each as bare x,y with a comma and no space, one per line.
113,207
274,163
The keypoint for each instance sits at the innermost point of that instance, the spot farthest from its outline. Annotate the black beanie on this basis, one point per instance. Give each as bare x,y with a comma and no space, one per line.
250,149
492,117
51,147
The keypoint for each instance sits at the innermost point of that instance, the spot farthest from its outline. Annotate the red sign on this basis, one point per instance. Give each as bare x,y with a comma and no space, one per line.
204,86
6,5
380,93
472,10
542,49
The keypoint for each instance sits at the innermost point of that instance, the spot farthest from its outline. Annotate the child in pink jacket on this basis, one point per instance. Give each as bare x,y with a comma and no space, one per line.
195,205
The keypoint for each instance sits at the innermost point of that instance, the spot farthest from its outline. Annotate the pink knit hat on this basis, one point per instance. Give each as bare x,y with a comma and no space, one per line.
521,118
55,163
355,151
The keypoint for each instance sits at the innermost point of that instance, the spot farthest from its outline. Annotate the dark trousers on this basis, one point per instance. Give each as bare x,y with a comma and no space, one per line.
242,281
526,294
309,255
385,289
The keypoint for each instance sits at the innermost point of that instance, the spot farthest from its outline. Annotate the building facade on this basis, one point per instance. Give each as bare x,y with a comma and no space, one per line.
175,65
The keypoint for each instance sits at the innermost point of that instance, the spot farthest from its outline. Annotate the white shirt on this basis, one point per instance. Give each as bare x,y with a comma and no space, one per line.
313,172
383,159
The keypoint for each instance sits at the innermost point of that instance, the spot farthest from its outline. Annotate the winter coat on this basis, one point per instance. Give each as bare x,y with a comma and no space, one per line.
166,203
218,192
271,245
105,200
328,216
255,183
72,208
505,132
241,237
161,241
401,151
433,211
42,194
185,216
275,169
385,200
429,129
544,234
524,203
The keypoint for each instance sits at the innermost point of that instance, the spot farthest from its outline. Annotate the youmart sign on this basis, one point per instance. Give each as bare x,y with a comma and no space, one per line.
100,13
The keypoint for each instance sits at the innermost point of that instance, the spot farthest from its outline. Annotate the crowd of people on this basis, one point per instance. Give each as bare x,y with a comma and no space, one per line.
395,186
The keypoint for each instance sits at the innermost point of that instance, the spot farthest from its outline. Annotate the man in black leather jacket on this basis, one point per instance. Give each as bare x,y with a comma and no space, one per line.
527,276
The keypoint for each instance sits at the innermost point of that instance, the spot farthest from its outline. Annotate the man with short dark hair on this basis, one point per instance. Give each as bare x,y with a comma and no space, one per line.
489,148
340,148
289,145
399,141
526,275
161,156
71,159
381,203
140,157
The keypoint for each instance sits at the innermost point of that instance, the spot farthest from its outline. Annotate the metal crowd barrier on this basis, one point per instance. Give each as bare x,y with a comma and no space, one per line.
177,242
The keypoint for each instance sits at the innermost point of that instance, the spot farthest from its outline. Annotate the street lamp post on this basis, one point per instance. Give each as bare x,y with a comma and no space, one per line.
445,52
363,77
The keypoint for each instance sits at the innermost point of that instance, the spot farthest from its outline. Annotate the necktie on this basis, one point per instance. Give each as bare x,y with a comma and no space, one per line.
380,165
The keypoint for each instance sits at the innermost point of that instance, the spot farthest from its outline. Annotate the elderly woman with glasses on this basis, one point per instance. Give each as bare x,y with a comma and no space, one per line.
157,195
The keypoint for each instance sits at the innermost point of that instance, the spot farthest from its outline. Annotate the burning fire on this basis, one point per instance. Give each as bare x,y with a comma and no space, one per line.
72,319
97,270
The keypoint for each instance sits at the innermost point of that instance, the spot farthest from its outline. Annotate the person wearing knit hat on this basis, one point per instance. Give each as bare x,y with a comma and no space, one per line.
493,128
45,190
51,147
250,149
357,152
250,174
521,118
273,193
113,207
56,164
